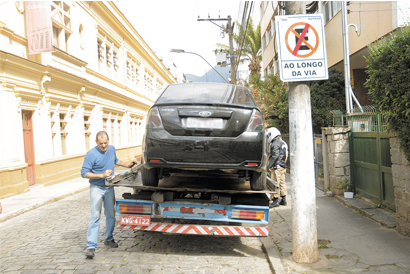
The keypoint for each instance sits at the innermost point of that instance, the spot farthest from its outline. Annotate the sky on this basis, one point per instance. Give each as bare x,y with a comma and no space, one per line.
166,25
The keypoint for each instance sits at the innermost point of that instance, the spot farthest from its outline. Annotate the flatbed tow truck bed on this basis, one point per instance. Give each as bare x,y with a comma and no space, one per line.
193,205
185,183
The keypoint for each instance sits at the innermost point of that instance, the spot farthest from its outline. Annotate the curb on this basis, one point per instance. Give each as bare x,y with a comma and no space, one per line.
273,256
386,219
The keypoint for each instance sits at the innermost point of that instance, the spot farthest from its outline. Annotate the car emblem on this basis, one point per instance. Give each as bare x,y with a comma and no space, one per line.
205,113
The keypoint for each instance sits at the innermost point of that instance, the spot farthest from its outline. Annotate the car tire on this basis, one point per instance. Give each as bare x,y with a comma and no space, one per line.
149,177
258,180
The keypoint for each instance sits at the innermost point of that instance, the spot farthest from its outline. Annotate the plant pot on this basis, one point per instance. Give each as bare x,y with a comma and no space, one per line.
348,194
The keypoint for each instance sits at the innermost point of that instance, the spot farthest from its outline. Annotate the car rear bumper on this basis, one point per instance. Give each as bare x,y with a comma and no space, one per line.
245,152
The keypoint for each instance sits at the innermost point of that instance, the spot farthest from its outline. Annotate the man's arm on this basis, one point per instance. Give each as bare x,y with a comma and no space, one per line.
91,175
121,163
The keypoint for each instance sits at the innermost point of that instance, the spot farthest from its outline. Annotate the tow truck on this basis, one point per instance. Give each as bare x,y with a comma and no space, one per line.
206,205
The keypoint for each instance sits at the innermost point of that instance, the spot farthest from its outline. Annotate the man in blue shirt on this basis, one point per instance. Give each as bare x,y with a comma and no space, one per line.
98,164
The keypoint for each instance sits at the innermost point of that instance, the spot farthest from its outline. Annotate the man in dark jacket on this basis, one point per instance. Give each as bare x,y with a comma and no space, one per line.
277,165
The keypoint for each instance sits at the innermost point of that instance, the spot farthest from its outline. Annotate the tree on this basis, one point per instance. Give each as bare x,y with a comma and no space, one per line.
250,39
271,96
327,95
388,68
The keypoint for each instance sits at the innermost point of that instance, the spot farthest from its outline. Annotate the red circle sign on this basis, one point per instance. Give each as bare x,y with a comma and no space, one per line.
301,39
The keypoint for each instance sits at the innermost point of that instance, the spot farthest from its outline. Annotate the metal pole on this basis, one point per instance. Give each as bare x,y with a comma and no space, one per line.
233,65
325,159
349,103
304,225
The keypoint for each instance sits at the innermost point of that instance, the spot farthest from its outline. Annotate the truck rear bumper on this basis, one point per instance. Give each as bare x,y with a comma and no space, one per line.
240,231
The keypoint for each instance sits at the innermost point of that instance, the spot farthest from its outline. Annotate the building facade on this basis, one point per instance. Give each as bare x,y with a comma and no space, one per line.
101,76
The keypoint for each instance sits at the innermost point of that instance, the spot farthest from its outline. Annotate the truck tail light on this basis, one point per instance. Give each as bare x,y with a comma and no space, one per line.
248,214
140,209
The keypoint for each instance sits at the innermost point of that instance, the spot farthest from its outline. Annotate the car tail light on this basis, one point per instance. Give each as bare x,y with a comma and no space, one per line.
247,214
141,209
256,122
154,119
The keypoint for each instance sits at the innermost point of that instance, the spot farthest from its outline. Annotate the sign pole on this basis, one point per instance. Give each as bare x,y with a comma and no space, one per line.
304,225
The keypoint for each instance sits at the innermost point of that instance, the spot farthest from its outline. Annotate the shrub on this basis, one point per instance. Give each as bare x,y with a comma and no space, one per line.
388,69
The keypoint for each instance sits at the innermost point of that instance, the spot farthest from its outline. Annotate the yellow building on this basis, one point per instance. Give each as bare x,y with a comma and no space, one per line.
374,19
102,75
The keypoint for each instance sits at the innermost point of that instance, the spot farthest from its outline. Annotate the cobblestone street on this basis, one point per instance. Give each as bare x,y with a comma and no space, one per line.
52,239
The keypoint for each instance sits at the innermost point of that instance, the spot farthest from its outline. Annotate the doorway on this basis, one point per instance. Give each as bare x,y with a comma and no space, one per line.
29,146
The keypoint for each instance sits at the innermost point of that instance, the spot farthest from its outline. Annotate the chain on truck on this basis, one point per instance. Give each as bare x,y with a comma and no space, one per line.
190,205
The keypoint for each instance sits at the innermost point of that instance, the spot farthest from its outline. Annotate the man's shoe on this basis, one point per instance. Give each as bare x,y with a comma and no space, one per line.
283,201
274,203
90,253
111,243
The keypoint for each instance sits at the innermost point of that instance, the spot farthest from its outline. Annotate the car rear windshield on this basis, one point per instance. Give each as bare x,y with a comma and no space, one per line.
206,93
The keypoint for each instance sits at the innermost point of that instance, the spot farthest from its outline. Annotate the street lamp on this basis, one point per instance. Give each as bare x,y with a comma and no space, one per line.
183,51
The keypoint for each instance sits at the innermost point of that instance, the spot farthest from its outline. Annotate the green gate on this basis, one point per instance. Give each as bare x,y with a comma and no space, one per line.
370,163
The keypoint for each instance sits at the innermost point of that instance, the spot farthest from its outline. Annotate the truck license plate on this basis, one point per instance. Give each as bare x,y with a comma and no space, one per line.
135,220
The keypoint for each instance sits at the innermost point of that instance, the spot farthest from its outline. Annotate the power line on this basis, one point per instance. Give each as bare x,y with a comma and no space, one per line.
372,10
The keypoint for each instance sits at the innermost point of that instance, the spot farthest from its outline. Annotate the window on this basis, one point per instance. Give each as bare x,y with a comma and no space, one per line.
263,42
108,55
61,20
63,132
100,49
331,9
115,60
119,134
148,77
55,36
112,132
87,132
269,33
105,125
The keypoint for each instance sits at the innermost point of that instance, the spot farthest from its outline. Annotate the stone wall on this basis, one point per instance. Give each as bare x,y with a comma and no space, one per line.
401,181
338,155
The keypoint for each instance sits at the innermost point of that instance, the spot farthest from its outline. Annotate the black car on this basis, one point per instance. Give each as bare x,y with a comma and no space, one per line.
206,129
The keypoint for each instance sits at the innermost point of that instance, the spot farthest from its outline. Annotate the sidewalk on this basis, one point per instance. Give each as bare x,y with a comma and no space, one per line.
353,237
40,195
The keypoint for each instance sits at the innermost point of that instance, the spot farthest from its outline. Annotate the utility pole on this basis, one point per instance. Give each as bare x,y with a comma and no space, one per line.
230,33
304,225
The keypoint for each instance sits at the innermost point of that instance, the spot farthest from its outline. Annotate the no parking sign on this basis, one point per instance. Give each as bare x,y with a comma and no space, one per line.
302,48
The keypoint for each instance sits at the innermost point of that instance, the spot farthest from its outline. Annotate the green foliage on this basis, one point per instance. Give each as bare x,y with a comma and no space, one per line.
327,95
388,69
252,44
272,98
345,184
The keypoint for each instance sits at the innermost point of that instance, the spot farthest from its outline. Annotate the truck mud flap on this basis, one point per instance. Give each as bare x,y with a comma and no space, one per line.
202,229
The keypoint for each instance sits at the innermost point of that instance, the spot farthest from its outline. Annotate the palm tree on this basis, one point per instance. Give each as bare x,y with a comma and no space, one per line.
248,43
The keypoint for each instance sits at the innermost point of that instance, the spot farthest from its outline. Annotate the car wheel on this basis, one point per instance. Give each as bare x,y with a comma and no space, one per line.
149,177
258,180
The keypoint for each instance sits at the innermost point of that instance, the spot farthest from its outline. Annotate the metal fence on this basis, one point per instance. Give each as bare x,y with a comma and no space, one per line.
364,119
318,150
367,119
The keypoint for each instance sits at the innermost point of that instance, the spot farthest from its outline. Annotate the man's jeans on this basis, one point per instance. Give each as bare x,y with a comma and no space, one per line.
98,194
